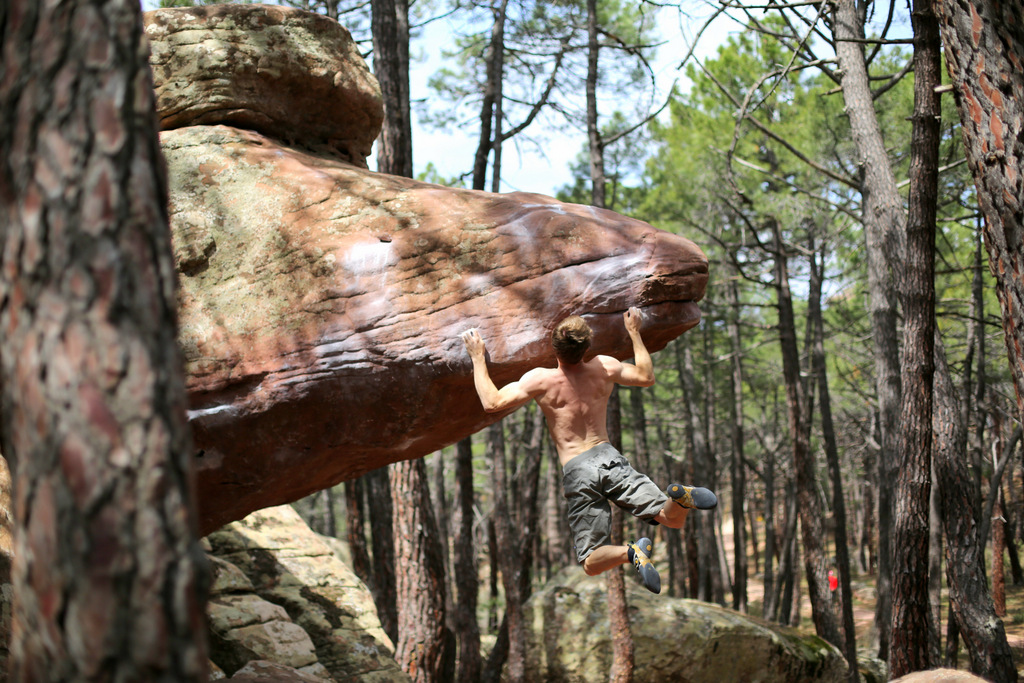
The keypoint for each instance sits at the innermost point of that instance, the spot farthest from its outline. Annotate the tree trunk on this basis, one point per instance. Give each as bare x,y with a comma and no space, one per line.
390,28
490,107
998,526
883,216
984,48
595,143
815,563
467,582
715,573
820,372
623,650
355,531
737,467
109,578
383,541
509,557
935,569
951,656
782,597
981,630
498,65
425,648
912,626
769,605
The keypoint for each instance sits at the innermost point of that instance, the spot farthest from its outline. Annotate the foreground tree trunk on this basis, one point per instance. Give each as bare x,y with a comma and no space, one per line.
109,577
970,601
425,647
911,618
984,48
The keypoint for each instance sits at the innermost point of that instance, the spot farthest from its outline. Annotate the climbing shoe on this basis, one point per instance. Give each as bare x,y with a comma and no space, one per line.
694,497
639,554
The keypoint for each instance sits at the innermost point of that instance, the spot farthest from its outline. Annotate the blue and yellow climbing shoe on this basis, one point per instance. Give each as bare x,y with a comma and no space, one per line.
694,497
639,554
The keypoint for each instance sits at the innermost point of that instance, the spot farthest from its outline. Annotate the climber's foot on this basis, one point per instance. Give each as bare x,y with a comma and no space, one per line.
693,497
639,554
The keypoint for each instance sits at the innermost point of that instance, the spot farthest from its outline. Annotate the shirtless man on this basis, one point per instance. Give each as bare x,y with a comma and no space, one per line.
574,399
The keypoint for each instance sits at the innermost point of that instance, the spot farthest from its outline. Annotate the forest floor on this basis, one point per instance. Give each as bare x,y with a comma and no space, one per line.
864,615
863,588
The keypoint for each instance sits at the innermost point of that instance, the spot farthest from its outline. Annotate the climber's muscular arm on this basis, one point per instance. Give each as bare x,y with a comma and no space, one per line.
494,399
641,372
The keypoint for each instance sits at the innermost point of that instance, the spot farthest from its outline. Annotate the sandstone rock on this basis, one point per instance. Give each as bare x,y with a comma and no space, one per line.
939,676
271,672
676,640
321,307
246,627
293,75
291,567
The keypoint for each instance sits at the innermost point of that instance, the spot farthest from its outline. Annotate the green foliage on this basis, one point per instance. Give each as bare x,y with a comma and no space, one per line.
431,175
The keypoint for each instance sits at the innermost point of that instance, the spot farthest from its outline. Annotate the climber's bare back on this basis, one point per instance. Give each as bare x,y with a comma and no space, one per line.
573,396
574,400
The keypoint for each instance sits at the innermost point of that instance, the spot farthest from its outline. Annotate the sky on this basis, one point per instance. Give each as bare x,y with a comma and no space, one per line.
525,169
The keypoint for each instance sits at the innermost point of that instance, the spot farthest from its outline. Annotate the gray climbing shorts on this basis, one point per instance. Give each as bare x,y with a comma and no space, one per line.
591,480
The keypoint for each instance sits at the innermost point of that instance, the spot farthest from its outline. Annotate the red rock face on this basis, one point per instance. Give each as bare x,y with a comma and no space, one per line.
321,305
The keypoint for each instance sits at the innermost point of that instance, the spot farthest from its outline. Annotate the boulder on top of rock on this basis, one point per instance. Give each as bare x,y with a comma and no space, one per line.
293,75
321,304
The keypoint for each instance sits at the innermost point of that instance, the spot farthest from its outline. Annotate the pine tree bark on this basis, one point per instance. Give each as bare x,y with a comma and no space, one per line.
425,647
382,538
355,530
984,49
109,577
883,216
819,371
491,95
737,467
467,582
812,533
390,27
982,632
912,625
595,143
509,556
623,649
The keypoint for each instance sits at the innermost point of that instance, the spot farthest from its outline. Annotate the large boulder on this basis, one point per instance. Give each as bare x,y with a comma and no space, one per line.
321,304
290,74
675,640
279,586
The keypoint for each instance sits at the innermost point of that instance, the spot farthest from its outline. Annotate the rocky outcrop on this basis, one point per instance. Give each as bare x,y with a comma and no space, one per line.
281,595
244,627
271,672
321,304
939,676
296,76
675,640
